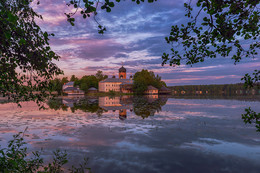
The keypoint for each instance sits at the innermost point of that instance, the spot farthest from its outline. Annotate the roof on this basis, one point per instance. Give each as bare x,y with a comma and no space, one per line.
150,87
69,83
70,89
163,88
92,89
122,69
117,80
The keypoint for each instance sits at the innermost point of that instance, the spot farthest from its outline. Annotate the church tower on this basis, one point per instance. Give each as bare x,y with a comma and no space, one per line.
122,73
122,114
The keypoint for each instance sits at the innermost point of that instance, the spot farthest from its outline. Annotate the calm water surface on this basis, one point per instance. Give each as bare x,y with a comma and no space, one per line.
141,134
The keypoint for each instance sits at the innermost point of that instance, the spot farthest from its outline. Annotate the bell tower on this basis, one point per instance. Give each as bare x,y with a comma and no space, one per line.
122,73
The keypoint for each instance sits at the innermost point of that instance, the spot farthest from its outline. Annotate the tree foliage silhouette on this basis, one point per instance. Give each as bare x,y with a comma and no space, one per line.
25,55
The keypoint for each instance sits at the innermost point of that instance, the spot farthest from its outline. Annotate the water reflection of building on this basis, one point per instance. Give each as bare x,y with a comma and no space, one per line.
85,104
70,101
151,98
120,104
122,114
144,106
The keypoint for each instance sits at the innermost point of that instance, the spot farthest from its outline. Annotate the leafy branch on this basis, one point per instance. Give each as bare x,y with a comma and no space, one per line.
251,81
251,116
224,24
90,7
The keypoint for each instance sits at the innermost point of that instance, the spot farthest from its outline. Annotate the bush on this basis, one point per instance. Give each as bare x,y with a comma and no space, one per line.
15,158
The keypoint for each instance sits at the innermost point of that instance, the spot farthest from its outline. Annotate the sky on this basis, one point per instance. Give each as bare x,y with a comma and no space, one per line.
135,37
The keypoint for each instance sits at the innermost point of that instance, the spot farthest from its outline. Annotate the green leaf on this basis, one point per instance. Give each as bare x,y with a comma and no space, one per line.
12,18
22,41
108,9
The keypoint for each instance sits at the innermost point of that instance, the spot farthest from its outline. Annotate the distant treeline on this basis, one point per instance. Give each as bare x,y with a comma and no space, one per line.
226,89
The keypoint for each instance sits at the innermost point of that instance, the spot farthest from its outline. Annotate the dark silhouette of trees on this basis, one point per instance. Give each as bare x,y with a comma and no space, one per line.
87,82
25,55
100,76
56,85
73,78
145,78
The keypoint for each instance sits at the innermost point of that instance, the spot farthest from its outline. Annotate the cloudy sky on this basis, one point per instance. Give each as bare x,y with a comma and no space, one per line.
135,37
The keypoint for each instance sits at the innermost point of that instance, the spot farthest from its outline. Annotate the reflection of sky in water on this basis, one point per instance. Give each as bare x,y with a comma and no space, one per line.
226,148
186,135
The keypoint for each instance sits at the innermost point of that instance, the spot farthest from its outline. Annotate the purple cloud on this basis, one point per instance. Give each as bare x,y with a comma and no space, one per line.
135,36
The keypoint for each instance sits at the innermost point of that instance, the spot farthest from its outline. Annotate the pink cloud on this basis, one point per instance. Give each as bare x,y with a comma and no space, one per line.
52,12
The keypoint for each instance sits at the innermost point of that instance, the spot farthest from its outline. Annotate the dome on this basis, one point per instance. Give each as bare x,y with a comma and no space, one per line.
122,69
92,89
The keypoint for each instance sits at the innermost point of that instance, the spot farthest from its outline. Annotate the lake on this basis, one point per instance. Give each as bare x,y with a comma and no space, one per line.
140,134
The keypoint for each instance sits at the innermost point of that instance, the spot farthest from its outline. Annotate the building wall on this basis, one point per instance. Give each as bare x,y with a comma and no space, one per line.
151,92
107,86
101,87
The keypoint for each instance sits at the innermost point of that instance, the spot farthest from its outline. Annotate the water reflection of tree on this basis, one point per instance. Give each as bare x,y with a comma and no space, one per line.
88,105
145,106
57,104
84,104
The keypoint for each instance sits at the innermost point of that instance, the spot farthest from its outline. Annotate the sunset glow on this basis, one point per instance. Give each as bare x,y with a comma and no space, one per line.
135,36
